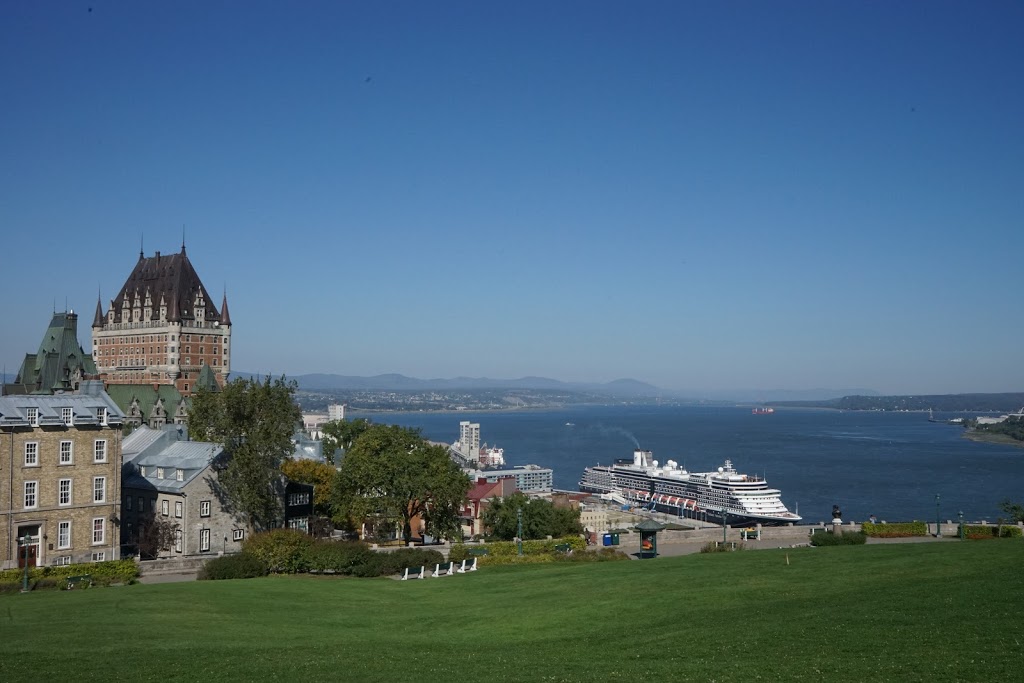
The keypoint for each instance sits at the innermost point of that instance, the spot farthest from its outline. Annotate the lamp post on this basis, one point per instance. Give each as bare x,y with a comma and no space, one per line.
938,523
725,525
960,516
25,540
519,532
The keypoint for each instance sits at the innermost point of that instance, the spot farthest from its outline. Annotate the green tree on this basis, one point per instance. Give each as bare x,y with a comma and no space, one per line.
540,518
1014,510
341,434
319,474
255,422
391,473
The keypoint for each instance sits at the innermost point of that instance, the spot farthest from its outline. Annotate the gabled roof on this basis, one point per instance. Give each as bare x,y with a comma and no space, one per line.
58,362
206,380
170,279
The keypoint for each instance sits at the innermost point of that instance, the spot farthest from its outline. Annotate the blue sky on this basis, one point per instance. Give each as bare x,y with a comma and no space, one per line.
704,196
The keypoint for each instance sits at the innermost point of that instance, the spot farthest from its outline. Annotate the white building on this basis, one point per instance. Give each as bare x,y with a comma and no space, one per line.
469,439
528,477
336,412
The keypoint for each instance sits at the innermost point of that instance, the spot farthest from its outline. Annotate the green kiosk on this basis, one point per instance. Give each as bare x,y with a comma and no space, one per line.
649,538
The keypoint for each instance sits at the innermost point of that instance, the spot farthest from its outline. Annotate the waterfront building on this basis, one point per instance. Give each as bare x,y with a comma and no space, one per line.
62,489
469,439
336,412
527,477
162,328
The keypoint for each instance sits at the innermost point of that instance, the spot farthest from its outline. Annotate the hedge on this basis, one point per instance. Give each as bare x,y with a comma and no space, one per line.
845,538
393,562
975,532
238,566
282,550
898,530
102,574
288,551
499,551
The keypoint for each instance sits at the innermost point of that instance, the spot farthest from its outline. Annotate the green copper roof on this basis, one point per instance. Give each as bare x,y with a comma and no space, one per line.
147,396
59,362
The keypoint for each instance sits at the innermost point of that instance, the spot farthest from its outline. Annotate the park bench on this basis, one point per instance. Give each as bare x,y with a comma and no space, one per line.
85,580
468,565
563,548
412,573
444,569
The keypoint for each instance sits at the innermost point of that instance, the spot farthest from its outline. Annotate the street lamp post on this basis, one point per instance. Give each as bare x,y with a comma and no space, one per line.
938,523
960,516
519,532
725,525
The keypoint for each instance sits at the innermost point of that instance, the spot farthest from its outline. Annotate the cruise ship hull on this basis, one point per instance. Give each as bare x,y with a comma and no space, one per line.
720,497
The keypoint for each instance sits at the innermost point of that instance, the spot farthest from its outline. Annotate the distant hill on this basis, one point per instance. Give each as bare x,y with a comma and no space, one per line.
396,382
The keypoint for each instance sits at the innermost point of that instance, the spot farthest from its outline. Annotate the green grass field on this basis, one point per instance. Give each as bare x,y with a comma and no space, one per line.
946,611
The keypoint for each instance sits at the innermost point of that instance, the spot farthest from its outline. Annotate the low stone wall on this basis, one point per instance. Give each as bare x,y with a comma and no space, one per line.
174,565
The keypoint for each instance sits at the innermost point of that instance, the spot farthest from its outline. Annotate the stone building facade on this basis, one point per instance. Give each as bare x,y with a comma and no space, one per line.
162,327
60,483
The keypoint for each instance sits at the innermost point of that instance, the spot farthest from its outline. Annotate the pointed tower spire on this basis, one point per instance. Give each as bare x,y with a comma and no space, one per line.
182,238
97,320
142,247
225,317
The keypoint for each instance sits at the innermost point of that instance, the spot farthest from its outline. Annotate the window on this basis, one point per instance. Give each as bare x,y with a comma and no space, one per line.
238,534
204,508
142,504
164,508
300,523
159,472
128,503
31,488
32,415
99,452
142,473
204,540
66,416
64,492
179,475
298,498
67,453
62,561
101,413
99,530
31,454
178,536
100,556
177,509
99,489
63,535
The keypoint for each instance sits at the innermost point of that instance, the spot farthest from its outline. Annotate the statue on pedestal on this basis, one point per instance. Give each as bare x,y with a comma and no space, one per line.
837,515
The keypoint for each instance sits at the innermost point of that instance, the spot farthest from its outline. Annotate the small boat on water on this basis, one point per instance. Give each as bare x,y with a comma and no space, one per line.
763,411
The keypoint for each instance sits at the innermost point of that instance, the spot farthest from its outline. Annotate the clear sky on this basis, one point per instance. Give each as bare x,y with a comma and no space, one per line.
704,196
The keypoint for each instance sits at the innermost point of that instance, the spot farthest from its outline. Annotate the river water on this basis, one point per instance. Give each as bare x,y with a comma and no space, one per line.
891,465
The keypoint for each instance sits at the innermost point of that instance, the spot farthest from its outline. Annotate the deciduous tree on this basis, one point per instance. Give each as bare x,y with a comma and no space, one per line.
319,474
255,422
392,473
540,518
341,434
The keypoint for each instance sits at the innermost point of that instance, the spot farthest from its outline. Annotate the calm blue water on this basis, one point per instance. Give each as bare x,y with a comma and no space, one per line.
888,464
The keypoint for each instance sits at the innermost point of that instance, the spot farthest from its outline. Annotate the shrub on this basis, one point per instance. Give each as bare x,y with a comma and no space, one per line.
340,557
284,551
899,530
102,573
845,538
716,547
238,566
502,549
978,531
385,563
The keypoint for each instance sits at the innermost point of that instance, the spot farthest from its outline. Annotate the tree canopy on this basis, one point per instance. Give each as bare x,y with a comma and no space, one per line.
319,474
540,518
255,422
392,474
341,434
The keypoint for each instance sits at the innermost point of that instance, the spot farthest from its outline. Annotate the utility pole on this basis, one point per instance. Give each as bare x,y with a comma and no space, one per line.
938,523
519,533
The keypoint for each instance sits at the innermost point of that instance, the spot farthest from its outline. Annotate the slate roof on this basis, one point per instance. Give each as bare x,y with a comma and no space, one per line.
168,449
173,279
58,361
84,409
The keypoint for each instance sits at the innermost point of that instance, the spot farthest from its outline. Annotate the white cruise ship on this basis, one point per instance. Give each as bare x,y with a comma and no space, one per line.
737,498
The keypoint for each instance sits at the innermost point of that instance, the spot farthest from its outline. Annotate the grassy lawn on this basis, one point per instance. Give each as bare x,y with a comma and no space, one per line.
946,611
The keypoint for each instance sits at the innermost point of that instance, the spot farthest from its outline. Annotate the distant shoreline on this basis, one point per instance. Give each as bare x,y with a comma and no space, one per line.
997,439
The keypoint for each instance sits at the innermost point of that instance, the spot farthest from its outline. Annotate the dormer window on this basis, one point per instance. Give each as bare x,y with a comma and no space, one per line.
32,415
179,475
159,472
66,416
101,414
142,472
